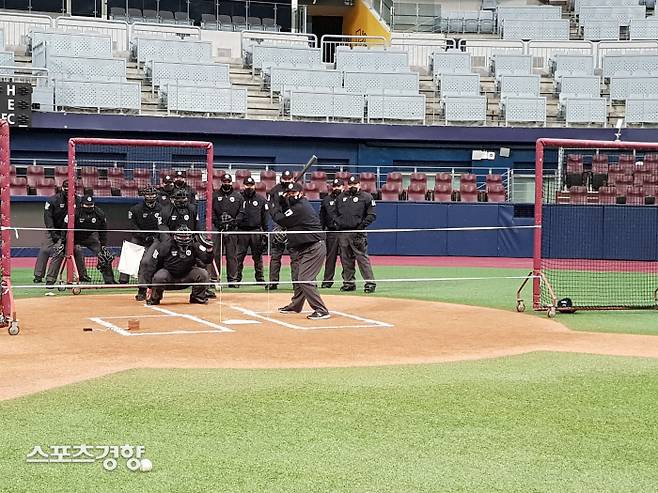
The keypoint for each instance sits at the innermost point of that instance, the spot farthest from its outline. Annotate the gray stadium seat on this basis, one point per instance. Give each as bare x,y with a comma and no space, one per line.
402,107
209,21
643,29
7,59
150,15
542,29
586,110
200,99
450,62
365,82
623,65
166,17
182,18
204,74
372,60
175,50
511,65
642,110
519,86
270,25
572,65
225,23
135,15
239,23
622,88
302,77
254,23
327,105
525,110
98,95
118,13
603,29
465,109
458,85
574,87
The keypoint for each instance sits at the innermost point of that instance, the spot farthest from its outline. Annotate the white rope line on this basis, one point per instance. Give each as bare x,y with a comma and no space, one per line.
16,229
263,283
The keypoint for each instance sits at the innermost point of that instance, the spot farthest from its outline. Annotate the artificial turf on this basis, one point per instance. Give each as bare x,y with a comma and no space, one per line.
494,291
537,422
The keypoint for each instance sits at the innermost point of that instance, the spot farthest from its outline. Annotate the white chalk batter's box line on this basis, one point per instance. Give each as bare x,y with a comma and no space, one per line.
219,329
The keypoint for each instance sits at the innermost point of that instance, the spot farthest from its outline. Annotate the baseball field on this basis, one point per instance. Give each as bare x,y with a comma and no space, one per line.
424,386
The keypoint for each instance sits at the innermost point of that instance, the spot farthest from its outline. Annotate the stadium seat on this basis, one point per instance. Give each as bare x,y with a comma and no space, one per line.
445,178
240,175
574,170
297,176
312,191
261,188
651,164
395,178
442,192
18,185
320,179
578,195
166,17
130,188
419,178
607,195
635,196
142,177
599,171
217,178
614,174
627,163
12,170
209,21
623,183
467,178
200,189
343,175
194,176
496,192
34,174
89,176
102,188
369,182
181,18
135,15
468,192
417,192
166,172
61,174
390,192
115,177
650,180
268,176
150,15
45,186
650,191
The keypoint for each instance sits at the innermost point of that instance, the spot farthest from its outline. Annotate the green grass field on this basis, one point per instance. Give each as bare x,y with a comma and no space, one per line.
538,422
493,292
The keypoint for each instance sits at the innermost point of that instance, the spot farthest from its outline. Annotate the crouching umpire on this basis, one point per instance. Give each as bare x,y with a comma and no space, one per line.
307,250
179,262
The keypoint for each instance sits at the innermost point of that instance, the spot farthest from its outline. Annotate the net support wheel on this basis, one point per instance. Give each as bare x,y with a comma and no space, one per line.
551,312
520,306
61,286
76,290
13,329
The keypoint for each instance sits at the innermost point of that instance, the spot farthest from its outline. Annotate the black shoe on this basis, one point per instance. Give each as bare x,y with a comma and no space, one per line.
37,280
327,284
210,293
316,315
85,279
287,309
152,302
140,297
198,301
272,287
347,288
369,288
234,286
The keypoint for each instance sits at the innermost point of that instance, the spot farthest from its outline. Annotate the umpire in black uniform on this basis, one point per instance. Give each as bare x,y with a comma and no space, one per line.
226,204
54,218
181,184
166,190
146,216
327,219
90,232
278,241
307,250
179,260
252,217
356,210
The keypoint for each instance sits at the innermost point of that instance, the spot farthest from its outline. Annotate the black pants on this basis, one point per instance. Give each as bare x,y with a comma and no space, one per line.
332,255
92,243
141,278
254,243
306,265
276,252
45,251
197,275
225,244
354,250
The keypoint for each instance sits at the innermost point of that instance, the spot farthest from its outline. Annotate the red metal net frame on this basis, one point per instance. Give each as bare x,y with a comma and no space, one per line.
72,275
537,275
8,314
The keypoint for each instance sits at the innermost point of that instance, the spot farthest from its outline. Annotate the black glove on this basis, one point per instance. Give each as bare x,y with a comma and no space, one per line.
58,249
105,258
148,240
360,241
226,221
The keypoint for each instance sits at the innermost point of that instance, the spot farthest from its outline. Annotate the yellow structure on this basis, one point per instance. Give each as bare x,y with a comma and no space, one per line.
361,21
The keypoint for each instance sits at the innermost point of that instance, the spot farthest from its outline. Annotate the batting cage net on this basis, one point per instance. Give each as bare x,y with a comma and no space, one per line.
122,168
595,203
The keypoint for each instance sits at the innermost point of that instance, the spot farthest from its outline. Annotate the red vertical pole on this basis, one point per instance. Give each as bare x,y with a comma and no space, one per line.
70,265
5,199
536,260
210,158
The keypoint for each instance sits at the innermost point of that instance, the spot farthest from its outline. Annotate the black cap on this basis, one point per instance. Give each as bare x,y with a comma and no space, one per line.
337,182
88,200
293,187
353,180
286,175
167,179
180,175
248,181
227,178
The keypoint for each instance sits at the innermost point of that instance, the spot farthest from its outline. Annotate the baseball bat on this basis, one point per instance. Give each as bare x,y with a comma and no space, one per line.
311,162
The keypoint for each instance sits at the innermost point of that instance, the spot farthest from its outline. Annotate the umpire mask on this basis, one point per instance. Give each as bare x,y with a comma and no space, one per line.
150,196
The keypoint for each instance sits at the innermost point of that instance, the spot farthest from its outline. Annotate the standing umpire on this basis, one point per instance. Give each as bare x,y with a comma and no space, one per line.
252,217
226,204
307,250
328,213
146,216
278,246
356,210
54,218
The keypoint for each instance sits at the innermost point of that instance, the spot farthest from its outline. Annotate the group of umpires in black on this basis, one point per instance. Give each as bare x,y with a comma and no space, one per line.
175,258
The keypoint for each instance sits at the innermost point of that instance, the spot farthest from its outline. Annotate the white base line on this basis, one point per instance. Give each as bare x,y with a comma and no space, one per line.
110,326
198,320
269,319
370,323
123,332
367,320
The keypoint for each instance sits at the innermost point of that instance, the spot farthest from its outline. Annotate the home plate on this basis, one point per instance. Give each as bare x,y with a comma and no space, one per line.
238,321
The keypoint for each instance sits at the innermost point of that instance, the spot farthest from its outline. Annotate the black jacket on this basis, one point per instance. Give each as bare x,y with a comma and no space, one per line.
223,202
253,213
93,220
354,211
54,215
329,211
178,259
299,216
142,217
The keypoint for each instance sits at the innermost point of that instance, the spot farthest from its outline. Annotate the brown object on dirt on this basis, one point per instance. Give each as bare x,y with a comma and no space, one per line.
133,324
